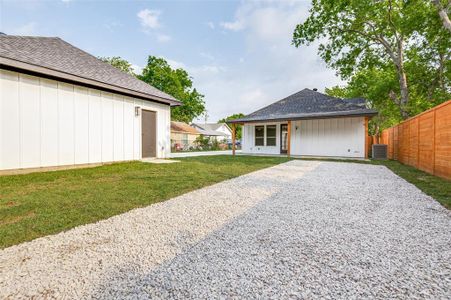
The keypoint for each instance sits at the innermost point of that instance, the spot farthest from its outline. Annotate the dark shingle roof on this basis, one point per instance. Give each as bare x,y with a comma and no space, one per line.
308,104
54,54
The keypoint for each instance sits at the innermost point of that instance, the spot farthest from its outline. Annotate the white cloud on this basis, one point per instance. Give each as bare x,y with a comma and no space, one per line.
26,29
149,18
211,25
175,64
207,55
234,26
150,24
163,38
112,25
137,69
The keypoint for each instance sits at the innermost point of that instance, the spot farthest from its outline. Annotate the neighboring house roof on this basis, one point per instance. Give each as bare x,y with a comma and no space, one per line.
307,104
181,127
210,132
55,58
211,127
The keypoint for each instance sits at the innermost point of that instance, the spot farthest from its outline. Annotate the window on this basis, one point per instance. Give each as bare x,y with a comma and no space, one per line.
259,135
185,139
271,135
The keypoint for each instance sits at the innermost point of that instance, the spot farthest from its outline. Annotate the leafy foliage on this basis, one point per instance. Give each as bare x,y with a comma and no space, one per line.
176,83
393,52
238,127
119,63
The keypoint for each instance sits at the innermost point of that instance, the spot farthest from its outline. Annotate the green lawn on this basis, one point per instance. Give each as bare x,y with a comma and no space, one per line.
39,204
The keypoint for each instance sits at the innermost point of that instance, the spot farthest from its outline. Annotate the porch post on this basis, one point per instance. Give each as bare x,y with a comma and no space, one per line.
289,139
366,138
233,138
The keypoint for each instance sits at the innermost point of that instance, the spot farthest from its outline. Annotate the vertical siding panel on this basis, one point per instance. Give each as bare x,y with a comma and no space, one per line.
81,125
107,127
118,107
49,123
10,120
129,115
66,124
331,137
30,121
95,126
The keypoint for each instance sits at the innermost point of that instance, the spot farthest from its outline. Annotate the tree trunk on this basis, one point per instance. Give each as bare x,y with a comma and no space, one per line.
404,93
402,80
442,12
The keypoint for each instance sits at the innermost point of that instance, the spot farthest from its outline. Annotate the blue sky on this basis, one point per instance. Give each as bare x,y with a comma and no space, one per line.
239,53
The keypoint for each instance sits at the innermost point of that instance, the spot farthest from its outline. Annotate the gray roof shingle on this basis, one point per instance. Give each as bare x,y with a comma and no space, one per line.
57,55
308,104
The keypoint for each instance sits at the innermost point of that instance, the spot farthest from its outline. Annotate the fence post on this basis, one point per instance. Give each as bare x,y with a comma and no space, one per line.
433,144
418,143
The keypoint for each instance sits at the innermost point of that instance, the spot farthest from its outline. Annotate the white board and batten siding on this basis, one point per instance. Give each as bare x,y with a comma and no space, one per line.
334,137
47,123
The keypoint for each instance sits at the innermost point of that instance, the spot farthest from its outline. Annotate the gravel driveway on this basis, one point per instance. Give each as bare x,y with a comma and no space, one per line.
302,229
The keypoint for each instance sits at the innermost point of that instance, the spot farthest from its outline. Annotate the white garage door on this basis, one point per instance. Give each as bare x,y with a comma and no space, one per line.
330,137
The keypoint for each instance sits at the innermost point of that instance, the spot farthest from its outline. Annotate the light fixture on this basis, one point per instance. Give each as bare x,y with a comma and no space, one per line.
137,109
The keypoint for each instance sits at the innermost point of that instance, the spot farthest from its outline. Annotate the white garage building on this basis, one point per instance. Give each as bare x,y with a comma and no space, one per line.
308,123
61,106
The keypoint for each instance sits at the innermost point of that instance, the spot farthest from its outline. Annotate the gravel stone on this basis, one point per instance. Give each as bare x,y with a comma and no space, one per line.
302,229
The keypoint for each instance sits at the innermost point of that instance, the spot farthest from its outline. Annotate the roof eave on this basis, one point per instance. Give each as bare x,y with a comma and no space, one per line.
294,118
17,65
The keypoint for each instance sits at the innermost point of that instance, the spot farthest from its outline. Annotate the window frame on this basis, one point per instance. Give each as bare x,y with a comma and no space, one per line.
274,137
262,138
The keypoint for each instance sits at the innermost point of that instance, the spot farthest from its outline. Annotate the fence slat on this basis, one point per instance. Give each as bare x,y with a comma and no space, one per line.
423,141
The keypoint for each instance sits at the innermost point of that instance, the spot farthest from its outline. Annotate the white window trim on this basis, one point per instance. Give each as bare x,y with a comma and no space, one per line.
265,134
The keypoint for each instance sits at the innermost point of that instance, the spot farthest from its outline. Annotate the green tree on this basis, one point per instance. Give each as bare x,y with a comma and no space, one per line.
361,36
177,83
239,128
119,63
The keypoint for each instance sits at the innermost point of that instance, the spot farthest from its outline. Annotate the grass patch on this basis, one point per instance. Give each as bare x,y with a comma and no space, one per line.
39,204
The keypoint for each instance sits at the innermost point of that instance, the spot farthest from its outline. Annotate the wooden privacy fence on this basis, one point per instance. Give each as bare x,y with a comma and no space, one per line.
423,141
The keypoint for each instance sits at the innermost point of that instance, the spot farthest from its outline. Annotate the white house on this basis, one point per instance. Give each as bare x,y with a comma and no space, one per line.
61,106
308,123
221,131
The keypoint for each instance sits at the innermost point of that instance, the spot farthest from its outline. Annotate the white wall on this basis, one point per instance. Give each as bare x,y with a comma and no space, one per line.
50,123
248,140
344,137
